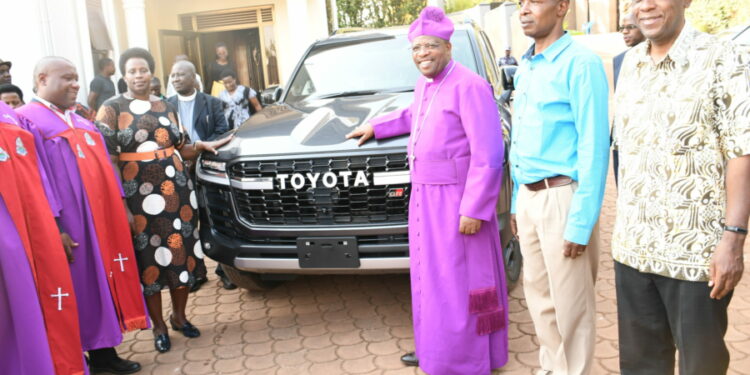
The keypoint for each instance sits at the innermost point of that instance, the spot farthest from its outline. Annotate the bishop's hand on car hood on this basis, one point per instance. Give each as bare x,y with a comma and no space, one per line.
319,126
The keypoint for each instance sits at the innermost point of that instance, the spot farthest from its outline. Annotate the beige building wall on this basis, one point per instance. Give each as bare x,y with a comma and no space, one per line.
291,37
603,14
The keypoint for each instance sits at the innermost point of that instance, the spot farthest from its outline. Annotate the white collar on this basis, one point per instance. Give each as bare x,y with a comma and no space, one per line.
65,115
52,106
188,98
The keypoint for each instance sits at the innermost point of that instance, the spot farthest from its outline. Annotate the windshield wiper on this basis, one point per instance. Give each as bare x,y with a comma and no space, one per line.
364,92
397,89
348,93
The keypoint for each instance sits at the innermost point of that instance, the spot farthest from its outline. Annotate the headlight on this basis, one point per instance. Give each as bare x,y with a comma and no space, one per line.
213,165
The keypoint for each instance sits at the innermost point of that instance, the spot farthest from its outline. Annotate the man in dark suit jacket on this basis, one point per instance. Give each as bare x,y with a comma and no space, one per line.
200,114
632,37
202,117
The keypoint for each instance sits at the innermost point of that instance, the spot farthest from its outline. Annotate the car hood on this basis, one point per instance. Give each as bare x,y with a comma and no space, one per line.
314,126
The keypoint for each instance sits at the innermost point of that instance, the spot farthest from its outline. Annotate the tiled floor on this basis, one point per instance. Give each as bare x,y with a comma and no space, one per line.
361,325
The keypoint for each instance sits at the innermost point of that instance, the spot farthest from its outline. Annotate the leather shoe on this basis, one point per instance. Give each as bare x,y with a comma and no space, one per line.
187,329
226,283
198,284
410,359
162,343
117,366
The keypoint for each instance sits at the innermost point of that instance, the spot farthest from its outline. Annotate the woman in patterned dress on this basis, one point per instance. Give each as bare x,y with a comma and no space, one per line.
147,147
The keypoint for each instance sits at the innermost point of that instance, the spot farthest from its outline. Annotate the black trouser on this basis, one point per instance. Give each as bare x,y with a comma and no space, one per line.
615,164
219,271
102,356
659,314
200,271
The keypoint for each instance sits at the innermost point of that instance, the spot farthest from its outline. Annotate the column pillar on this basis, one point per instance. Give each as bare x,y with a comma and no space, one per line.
135,23
110,17
334,15
297,15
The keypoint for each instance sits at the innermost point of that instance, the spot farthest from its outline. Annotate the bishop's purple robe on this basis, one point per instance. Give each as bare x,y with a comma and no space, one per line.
97,317
459,296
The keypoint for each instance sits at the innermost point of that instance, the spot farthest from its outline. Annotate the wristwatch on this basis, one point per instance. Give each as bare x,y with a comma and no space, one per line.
739,230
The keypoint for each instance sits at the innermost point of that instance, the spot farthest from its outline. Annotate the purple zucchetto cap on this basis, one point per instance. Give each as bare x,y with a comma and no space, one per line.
433,22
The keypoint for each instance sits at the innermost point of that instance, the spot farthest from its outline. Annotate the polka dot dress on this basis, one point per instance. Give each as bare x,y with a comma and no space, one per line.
159,192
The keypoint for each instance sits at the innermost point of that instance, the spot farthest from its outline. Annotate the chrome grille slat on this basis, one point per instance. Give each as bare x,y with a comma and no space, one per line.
340,205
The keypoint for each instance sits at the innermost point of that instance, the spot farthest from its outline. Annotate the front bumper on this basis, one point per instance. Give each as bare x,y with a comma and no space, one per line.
376,265
273,249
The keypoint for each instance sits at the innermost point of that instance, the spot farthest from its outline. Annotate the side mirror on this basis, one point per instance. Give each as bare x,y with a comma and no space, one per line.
506,78
271,95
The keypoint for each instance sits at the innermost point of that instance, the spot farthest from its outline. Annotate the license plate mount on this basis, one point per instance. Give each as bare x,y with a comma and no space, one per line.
328,252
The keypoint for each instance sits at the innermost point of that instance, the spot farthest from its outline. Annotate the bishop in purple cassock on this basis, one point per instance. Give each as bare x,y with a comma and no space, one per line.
459,297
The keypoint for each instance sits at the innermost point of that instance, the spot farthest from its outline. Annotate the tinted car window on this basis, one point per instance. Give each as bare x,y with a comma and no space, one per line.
375,65
743,38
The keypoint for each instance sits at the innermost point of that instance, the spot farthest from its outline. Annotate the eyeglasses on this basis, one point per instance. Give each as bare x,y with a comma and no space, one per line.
417,48
628,28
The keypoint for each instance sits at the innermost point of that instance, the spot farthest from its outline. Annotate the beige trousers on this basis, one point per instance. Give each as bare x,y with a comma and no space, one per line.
559,290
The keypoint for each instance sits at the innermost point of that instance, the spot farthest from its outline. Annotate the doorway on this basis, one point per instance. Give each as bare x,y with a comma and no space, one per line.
248,33
245,52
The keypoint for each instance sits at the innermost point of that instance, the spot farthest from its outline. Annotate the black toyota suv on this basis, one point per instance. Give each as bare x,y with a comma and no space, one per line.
290,195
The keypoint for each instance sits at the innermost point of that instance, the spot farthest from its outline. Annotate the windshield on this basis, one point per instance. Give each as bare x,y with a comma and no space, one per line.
743,38
368,67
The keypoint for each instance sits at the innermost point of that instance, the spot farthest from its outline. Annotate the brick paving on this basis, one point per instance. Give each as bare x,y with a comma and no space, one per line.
327,325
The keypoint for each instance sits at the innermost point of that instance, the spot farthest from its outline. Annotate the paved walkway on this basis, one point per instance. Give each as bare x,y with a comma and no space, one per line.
361,325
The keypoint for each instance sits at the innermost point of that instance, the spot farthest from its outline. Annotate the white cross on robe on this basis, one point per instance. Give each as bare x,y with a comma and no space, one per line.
122,261
59,297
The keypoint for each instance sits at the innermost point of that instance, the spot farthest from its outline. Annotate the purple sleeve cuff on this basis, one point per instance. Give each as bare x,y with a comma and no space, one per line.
393,124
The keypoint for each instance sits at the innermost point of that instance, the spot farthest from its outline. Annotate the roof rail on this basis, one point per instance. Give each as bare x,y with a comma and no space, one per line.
344,30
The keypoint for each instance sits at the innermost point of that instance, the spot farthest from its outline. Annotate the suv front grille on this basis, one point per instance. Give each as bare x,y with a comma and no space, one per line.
338,205
219,208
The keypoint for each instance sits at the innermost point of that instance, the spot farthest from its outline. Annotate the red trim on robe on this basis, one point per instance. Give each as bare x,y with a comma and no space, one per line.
112,227
22,191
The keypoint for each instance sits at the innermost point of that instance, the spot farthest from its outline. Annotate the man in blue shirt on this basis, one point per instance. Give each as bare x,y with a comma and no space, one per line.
559,157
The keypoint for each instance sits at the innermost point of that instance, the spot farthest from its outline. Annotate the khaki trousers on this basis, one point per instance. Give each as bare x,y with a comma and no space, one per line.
559,290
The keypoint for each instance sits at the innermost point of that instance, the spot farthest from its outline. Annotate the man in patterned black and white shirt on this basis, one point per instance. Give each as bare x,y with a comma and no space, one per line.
682,127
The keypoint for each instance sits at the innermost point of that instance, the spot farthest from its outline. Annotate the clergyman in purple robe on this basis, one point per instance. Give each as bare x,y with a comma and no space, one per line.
459,296
49,115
